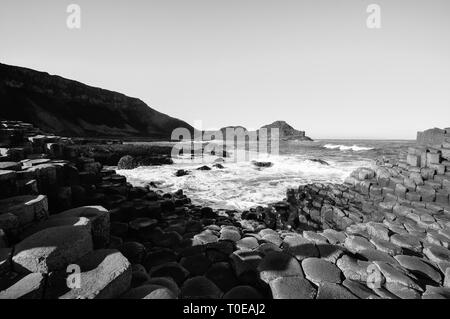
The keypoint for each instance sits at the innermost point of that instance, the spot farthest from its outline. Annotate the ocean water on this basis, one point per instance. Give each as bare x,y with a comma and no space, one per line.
241,185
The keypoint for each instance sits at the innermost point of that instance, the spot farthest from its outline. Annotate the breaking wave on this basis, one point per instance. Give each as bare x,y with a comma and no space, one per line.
241,184
354,148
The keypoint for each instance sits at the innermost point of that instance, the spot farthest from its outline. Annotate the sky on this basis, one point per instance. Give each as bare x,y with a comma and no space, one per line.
312,63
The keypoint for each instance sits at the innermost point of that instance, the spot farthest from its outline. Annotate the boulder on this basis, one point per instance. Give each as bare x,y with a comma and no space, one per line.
100,222
127,162
52,249
230,234
105,274
181,172
262,164
244,261
247,243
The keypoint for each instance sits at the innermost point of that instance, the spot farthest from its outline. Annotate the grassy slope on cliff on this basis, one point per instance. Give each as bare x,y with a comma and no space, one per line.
70,108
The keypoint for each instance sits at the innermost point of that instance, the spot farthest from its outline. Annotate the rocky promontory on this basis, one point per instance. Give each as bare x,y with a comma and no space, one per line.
69,108
71,228
286,132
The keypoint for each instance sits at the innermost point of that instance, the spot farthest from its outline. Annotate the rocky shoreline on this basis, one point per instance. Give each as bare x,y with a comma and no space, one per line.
70,228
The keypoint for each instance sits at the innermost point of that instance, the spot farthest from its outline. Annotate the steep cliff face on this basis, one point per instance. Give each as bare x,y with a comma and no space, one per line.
70,108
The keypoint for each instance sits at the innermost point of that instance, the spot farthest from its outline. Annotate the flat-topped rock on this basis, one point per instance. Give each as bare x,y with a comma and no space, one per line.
299,247
105,273
333,236
149,291
319,270
278,264
56,222
331,252
244,261
353,268
402,291
334,291
10,166
27,208
292,288
377,255
437,254
419,267
52,249
386,246
230,234
357,243
359,289
315,237
395,276
29,287
432,292
100,222
273,239
407,241
247,243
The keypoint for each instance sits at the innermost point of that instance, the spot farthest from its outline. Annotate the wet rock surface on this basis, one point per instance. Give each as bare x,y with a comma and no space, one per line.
385,233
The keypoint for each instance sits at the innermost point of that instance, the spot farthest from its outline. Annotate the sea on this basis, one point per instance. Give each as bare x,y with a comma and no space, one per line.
241,184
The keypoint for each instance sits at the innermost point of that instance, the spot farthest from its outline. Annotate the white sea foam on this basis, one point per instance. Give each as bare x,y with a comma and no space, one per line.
241,185
354,148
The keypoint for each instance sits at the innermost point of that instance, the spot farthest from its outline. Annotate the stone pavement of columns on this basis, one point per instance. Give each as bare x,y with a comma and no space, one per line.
71,229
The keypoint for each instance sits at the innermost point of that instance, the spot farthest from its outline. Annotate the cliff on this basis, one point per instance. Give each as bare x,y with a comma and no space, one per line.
65,107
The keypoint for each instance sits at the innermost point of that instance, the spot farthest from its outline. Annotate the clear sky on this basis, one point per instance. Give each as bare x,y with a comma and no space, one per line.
313,63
